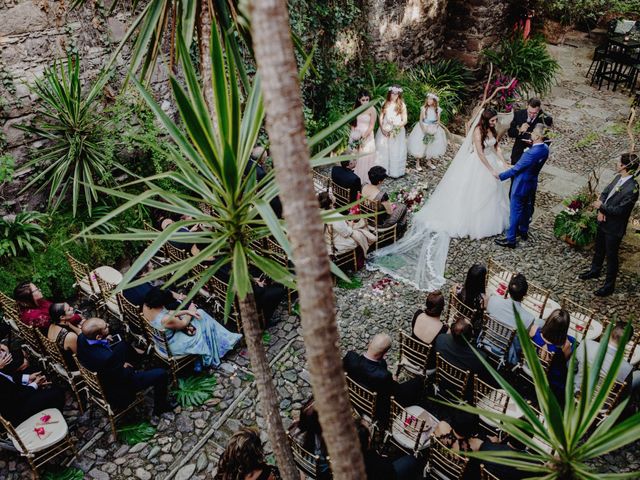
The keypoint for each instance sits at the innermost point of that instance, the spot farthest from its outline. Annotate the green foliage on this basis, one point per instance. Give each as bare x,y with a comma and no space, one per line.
194,391
7,167
20,233
577,222
136,433
624,7
70,473
353,283
575,433
76,157
527,60
587,140
575,12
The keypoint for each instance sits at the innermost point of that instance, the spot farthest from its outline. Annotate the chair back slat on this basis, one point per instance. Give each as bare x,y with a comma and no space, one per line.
486,475
321,182
496,339
457,308
105,289
95,391
29,335
52,350
498,278
445,463
343,195
307,462
81,271
614,397
451,381
412,427
489,398
580,317
536,299
6,424
362,400
10,311
413,354
159,339
276,252
174,253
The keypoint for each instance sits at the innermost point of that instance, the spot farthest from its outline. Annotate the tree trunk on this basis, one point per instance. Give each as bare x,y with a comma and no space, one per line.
274,54
204,47
266,390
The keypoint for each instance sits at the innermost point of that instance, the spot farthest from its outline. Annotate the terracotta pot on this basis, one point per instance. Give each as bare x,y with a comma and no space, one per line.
571,242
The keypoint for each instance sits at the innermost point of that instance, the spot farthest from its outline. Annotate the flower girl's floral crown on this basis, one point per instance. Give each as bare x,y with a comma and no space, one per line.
434,96
395,89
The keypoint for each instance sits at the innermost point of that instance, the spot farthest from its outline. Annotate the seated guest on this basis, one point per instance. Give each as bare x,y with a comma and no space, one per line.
390,213
625,372
192,331
370,371
472,293
455,348
120,380
345,235
24,395
378,467
18,361
503,472
553,339
185,247
137,294
34,308
502,310
343,176
426,324
243,458
308,433
63,333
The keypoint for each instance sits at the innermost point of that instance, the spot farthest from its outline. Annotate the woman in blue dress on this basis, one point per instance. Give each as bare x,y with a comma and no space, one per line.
192,331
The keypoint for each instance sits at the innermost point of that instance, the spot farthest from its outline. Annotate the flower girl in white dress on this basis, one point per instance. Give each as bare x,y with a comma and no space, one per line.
428,139
391,141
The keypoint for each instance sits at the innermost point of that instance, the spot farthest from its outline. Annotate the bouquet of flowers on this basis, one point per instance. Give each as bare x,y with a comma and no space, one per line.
428,138
413,198
577,223
355,143
395,131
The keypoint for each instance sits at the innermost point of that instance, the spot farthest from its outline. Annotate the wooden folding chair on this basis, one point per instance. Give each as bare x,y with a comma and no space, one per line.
632,344
341,194
277,253
10,312
451,382
364,403
495,340
59,367
82,276
413,355
445,464
174,253
580,317
133,321
308,463
346,260
489,398
321,182
218,288
40,449
498,278
536,299
108,299
458,309
406,431
613,399
32,342
485,474
384,235
96,395
545,357
162,351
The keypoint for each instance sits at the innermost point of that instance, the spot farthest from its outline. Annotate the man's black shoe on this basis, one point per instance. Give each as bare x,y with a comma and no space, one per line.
603,292
588,275
524,235
503,242
168,406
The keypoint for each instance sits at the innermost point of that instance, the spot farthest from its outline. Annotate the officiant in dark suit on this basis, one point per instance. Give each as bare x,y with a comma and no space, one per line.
523,123
614,209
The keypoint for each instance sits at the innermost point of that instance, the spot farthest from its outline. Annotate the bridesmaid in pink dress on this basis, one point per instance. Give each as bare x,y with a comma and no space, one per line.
362,135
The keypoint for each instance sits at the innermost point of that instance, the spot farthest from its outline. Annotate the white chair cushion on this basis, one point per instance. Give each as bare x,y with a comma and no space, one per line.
55,430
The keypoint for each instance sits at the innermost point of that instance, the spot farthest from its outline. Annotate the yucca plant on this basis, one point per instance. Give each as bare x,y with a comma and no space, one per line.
527,60
76,156
574,434
20,233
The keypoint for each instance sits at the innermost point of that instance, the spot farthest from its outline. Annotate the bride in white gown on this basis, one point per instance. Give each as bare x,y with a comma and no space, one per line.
469,201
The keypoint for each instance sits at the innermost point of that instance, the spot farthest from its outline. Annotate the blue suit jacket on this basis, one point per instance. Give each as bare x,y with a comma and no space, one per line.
525,172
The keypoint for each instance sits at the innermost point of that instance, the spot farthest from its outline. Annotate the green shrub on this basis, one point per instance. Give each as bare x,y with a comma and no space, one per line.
527,60
21,233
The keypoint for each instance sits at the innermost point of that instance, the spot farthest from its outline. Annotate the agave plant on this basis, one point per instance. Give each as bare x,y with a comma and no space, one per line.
21,233
527,60
76,157
573,435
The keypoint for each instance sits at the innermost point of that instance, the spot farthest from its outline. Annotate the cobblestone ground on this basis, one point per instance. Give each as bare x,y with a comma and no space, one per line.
188,443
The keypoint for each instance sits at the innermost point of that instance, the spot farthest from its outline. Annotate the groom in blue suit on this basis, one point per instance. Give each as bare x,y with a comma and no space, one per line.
523,190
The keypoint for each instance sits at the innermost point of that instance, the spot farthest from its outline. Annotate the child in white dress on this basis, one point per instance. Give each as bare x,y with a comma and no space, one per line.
391,140
428,139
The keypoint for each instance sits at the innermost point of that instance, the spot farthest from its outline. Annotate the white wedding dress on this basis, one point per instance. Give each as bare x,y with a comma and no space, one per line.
468,202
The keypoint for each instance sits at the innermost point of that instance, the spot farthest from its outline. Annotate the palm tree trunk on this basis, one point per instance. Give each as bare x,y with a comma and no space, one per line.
274,54
204,47
266,390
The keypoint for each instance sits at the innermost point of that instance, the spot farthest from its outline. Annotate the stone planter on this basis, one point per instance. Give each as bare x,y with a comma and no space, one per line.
504,120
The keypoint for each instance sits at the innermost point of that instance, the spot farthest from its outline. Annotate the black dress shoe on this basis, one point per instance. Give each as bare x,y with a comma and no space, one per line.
603,292
588,275
169,406
524,235
503,242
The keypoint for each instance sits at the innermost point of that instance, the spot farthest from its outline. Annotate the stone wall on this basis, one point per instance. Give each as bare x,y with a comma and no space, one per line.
406,31
473,25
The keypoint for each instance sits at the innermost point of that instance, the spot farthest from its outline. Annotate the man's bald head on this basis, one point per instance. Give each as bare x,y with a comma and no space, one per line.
379,345
95,328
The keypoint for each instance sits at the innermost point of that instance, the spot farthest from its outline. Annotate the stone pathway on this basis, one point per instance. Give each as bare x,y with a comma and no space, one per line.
188,444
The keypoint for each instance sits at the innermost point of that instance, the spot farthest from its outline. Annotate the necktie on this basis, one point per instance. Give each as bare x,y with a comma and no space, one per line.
613,190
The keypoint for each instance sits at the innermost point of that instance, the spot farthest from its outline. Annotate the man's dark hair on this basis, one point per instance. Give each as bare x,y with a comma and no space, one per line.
630,162
534,102
518,287
434,304
462,329
345,163
377,174
618,331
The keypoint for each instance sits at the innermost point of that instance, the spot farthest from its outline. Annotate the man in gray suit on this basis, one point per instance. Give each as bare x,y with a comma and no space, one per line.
501,309
625,373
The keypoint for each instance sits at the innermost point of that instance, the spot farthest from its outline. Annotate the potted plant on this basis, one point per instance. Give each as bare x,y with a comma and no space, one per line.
577,224
505,101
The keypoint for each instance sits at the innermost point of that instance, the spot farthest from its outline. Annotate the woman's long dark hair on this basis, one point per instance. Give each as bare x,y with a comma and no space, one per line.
242,456
485,128
556,327
361,93
24,296
56,312
474,286
309,424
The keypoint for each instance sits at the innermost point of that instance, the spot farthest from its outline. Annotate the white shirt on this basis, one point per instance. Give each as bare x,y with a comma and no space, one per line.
617,186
